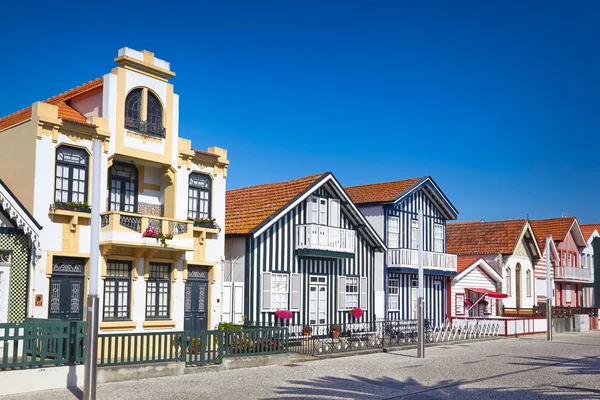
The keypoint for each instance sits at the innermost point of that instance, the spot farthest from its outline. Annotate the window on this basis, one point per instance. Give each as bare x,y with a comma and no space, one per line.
508,280
71,174
393,232
133,108
158,291
154,125
322,211
393,292
312,212
568,293
438,238
334,213
528,283
116,290
569,260
279,291
460,304
414,234
144,113
123,188
199,194
351,292
564,258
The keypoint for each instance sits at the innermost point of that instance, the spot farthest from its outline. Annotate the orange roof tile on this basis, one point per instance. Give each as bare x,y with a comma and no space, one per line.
588,229
65,111
464,262
555,227
384,192
246,208
482,237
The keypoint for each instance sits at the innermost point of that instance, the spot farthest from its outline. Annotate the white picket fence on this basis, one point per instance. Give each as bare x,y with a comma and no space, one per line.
468,328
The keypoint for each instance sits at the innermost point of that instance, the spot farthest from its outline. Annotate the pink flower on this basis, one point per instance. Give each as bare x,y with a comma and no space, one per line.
283,314
356,312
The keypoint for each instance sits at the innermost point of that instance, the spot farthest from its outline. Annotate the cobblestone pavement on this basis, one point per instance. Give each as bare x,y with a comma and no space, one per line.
522,368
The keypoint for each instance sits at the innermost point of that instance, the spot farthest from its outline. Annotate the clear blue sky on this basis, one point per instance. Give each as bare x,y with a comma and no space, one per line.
497,100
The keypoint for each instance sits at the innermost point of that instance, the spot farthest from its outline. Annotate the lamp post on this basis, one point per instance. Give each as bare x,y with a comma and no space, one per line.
420,311
91,344
549,294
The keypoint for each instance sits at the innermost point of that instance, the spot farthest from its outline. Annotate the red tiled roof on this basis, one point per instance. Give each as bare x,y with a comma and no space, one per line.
247,207
482,237
65,111
588,229
464,262
384,192
555,227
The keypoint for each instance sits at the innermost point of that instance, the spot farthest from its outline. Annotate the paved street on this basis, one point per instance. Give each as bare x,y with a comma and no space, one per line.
523,368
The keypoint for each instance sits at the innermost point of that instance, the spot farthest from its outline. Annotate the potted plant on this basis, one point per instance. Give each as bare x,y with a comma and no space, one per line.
356,312
283,316
307,331
205,222
159,236
335,330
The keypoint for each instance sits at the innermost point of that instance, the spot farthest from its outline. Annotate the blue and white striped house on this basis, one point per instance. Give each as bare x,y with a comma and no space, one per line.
301,246
392,209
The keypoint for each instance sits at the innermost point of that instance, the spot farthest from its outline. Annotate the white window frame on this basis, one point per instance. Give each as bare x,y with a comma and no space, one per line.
568,293
438,238
508,279
275,279
312,210
352,298
323,210
414,234
393,232
334,213
459,304
528,282
393,294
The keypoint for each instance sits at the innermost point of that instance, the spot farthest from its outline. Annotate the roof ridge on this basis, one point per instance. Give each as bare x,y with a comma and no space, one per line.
487,222
61,96
276,183
387,182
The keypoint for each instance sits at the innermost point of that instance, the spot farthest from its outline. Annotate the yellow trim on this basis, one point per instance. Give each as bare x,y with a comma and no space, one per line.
211,272
118,325
157,324
144,67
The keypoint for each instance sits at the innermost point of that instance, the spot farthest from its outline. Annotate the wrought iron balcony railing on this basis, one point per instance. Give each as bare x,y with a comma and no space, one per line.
145,127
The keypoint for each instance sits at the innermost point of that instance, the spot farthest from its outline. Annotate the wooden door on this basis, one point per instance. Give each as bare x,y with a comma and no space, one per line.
195,305
66,298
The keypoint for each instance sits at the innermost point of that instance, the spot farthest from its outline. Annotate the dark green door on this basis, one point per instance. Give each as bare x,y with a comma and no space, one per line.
66,289
196,300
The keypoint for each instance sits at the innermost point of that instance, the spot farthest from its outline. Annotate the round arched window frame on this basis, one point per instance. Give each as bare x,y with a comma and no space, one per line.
144,113
199,196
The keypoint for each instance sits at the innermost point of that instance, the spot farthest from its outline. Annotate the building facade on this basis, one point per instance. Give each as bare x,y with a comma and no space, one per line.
392,209
19,250
590,231
160,250
300,246
476,289
510,247
568,276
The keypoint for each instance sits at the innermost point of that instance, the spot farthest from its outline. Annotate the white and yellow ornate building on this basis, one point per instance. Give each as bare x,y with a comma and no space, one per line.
153,182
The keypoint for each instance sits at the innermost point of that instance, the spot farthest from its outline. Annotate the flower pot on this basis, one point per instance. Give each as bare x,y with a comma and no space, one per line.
335,334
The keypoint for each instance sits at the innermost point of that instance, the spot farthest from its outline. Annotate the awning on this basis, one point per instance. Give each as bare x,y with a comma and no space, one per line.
490,293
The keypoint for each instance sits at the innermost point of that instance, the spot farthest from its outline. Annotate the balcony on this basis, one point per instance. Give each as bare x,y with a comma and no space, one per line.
408,258
572,274
321,240
122,229
145,127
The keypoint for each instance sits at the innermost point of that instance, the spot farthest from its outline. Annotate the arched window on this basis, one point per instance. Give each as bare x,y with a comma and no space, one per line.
154,123
528,283
144,113
123,188
71,174
133,110
508,280
199,196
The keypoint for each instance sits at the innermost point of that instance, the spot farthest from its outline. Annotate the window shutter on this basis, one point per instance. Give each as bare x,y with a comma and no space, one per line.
310,204
334,213
342,292
295,292
363,293
266,290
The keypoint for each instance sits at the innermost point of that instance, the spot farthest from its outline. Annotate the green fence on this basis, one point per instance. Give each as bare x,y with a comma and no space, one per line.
38,342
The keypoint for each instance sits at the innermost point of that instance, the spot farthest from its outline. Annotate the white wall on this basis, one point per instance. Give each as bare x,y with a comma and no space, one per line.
476,278
526,265
89,105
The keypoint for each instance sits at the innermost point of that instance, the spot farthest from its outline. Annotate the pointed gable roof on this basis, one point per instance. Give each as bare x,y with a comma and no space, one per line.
484,237
588,230
65,111
558,228
246,208
466,264
391,192
252,210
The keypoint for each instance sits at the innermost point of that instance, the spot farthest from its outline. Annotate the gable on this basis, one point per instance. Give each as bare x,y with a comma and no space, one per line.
5,221
477,277
430,190
520,250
